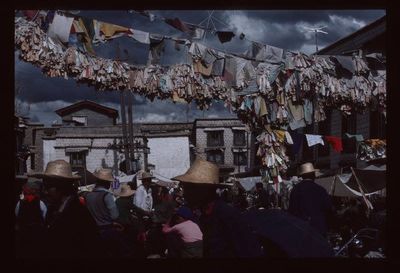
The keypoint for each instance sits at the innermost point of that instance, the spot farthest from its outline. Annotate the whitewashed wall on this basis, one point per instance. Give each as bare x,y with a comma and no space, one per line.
49,152
170,155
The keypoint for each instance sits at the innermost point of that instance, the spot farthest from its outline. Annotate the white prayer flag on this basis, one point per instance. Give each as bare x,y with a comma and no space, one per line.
314,140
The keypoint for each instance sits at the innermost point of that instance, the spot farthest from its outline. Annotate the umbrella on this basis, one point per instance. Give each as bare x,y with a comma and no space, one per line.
291,234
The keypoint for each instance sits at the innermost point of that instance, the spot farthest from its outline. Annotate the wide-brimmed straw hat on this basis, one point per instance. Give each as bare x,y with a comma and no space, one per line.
201,172
146,175
306,168
104,175
59,169
123,190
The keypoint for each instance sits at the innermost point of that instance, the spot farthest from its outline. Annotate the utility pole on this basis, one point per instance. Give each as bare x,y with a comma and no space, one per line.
316,31
123,119
130,128
124,134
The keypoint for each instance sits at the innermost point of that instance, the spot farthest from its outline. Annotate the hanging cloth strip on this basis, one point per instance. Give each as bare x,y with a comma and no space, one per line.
314,140
335,142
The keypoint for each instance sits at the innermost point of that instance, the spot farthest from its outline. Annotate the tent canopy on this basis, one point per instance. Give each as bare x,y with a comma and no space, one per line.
248,183
372,180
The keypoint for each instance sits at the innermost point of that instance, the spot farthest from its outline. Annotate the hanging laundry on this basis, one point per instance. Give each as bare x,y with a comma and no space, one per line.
199,67
346,62
314,140
335,142
297,84
257,105
30,14
296,110
308,111
357,137
273,54
289,139
264,53
280,135
157,47
225,36
83,35
194,31
89,26
263,107
60,28
140,36
111,31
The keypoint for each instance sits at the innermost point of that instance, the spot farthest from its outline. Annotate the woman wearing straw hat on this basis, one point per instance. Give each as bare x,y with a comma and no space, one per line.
71,231
309,201
225,234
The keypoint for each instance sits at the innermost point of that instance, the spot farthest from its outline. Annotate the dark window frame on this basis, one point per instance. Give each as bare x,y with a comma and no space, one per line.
215,138
243,156
211,156
239,138
74,164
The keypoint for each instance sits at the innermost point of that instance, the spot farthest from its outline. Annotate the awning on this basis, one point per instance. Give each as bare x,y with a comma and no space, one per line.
345,185
76,149
214,129
239,128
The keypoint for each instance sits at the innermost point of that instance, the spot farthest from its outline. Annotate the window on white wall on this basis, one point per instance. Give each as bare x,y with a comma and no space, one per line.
215,138
216,156
239,137
78,164
240,158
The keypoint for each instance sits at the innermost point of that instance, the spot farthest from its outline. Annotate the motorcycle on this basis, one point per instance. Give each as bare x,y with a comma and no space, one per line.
363,244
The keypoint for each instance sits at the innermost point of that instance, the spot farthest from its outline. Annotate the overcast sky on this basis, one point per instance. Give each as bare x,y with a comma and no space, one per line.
39,96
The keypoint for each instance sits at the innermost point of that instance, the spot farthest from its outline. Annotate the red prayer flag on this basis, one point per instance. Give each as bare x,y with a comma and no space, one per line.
335,142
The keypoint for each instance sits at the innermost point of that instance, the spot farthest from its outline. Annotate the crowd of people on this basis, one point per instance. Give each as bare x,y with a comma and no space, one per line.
143,220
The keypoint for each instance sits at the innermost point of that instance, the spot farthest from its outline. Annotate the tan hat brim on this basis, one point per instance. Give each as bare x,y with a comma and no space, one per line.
126,194
106,180
190,179
42,175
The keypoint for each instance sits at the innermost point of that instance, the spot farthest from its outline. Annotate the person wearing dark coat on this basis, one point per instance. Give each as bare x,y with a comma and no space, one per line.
309,201
262,200
130,216
70,230
30,213
225,232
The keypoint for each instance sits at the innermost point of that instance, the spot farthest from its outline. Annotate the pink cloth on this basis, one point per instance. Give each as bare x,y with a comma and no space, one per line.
189,231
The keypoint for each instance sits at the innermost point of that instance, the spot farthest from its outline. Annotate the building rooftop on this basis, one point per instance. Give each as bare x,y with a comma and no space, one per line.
87,104
207,123
357,39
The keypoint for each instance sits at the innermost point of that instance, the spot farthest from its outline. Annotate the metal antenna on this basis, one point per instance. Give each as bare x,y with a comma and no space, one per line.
316,30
